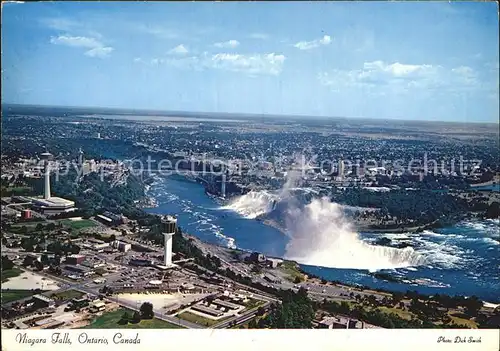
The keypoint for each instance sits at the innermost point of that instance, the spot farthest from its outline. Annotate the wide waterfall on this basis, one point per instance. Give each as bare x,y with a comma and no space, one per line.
320,235
253,204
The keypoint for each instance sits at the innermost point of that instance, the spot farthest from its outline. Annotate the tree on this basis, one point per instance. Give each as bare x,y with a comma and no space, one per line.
125,318
51,226
38,265
261,311
256,269
147,310
136,317
39,227
397,297
473,305
297,280
7,263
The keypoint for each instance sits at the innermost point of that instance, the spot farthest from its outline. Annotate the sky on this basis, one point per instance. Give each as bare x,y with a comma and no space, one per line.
393,60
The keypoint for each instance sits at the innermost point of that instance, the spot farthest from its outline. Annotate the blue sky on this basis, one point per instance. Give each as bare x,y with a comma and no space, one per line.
428,61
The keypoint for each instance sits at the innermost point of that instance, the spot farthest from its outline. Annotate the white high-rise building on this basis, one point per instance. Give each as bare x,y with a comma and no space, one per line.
46,156
168,229
341,169
80,157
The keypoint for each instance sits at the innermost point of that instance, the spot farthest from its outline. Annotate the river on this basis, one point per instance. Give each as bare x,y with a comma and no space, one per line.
463,259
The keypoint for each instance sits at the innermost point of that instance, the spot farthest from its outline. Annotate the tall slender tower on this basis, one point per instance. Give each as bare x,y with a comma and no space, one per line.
46,156
223,184
168,229
80,157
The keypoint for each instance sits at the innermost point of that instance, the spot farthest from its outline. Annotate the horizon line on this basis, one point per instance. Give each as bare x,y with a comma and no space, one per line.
244,114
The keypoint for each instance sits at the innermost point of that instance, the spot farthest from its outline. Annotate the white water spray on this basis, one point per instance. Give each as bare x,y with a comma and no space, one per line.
253,204
321,236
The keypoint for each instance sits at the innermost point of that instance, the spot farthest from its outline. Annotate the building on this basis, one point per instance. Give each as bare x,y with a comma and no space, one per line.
75,259
168,229
82,270
226,304
340,323
273,262
48,323
51,204
121,246
42,301
207,310
271,279
341,169
104,219
257,257
80,158
96,245
26,214
97,306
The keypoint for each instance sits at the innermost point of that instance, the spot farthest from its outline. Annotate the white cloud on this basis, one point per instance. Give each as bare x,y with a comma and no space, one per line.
382,78
83,42
261,36
227,44
179,50
252,64
96,48
271,64
100,52
308,45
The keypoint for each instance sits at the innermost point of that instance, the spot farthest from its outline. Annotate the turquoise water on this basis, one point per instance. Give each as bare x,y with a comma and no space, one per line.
463,259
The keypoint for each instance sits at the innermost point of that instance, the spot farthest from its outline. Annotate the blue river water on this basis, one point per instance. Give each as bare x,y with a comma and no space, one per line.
462,260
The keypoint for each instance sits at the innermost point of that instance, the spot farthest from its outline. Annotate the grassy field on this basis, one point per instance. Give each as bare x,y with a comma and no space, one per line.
110,320
18,229
252,303
68,295
16,191
78,224
10,273
14,295
292,271
401,313
467,322
194,318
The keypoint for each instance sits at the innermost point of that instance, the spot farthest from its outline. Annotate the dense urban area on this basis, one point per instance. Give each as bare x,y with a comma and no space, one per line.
79,251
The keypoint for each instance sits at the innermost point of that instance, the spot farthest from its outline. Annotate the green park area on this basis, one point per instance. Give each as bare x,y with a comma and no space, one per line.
24,228
253,303
16,191
77,224
10,273
292,271
113,320
67,295
200,320
11,295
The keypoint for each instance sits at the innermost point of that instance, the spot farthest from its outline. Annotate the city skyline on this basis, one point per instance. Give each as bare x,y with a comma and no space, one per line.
257,58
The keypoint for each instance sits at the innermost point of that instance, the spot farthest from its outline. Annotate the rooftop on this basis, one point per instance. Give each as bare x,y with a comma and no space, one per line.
54,202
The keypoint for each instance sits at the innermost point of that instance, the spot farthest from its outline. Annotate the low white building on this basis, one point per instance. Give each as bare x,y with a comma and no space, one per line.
121,246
